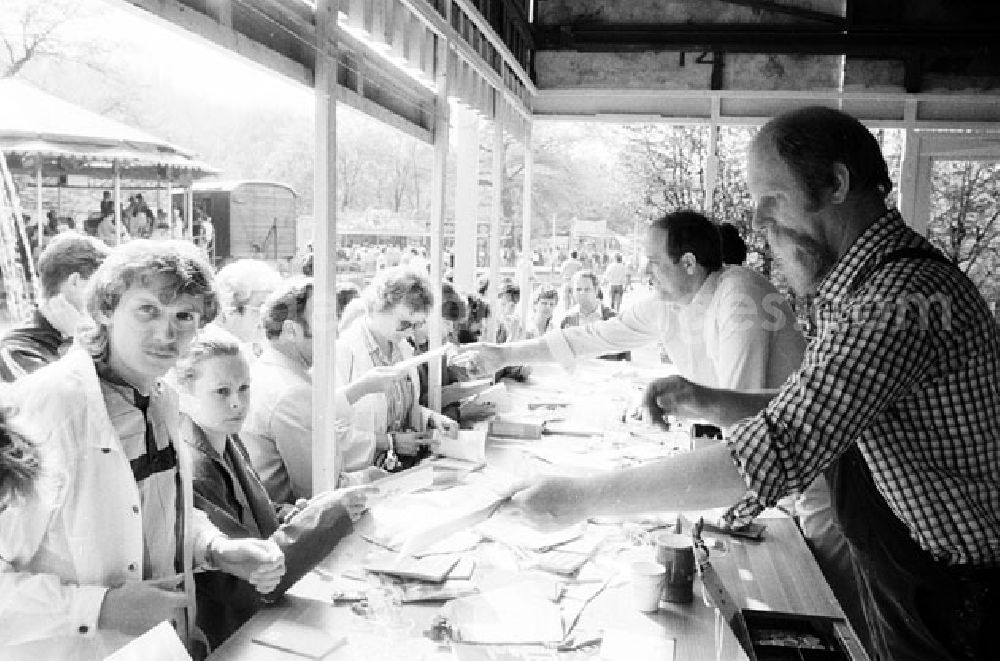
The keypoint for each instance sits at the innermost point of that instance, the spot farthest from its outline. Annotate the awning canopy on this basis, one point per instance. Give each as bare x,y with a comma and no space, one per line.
38,127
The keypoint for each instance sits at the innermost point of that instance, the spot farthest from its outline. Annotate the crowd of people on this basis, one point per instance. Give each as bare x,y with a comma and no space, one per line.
138,221
156,434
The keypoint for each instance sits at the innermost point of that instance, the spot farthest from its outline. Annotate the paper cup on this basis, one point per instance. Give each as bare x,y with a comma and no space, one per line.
647,585
675,553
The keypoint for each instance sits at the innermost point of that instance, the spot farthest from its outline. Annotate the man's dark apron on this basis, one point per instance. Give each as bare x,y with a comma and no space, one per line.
916,606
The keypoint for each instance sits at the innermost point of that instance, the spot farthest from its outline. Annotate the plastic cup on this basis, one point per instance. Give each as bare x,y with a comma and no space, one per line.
675,553
647,585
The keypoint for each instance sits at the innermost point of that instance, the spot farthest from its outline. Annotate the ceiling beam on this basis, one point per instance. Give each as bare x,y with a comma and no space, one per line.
789,10
770,38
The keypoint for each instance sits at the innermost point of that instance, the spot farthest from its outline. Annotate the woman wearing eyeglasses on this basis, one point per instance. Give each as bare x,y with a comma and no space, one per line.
397,303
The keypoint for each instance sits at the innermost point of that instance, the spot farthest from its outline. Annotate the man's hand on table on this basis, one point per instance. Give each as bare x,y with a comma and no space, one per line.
676,396
553,500
258,561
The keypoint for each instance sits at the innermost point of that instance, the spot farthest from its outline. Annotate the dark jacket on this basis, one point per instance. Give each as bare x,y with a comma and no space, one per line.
30,347
573,319
225,602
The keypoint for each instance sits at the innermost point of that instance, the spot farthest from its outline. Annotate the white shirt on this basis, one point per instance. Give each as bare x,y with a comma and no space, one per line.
737,332
278,432
616,274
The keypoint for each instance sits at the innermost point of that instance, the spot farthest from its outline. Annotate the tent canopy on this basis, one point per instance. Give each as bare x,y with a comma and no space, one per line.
38,127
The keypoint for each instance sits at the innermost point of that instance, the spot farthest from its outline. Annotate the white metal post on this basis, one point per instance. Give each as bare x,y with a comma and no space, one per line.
325,454
527,273
439,185
496,216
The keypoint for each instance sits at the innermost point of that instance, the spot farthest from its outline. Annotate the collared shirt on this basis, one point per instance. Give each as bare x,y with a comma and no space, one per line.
916,389
616,274
278,429
399,392
142,433
737,332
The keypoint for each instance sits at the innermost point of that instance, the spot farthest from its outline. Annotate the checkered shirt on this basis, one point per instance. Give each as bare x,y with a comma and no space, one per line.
917,389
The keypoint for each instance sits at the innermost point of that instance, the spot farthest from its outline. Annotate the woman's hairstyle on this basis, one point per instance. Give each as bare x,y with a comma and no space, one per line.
400,285
546,292
287,303
208,343
173,267
453,305
238,281
20,465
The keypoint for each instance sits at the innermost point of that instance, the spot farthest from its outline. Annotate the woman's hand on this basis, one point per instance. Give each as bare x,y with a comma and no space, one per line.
355,499
447,426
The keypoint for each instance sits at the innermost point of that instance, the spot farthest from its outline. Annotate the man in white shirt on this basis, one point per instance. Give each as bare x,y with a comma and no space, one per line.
615,278
726,327
589,308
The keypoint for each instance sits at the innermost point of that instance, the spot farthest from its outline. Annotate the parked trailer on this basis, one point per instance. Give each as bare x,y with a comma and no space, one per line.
251,218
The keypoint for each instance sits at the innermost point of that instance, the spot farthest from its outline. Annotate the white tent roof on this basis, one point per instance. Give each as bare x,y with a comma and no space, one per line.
35,123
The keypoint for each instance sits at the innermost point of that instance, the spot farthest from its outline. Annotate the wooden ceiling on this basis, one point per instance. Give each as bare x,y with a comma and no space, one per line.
918,63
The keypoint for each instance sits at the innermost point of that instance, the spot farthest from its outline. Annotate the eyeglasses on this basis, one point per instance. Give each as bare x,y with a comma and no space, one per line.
406,324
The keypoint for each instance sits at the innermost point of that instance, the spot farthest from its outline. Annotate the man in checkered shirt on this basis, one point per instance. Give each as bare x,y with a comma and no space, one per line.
897,398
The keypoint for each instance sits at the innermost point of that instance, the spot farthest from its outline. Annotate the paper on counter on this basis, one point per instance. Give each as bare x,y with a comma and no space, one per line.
505,616
160,643
621,645
402,483
511,527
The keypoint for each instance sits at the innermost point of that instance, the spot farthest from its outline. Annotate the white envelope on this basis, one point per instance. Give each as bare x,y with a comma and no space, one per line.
469,446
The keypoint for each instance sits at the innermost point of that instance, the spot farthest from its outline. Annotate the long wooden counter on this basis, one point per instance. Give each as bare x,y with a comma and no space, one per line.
776,574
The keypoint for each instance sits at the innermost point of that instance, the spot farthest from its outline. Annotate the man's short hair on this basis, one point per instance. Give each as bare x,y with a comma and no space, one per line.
511,291
618,257
238,281
66,254
546,292
400,285
210,342
287,303
346,292
734,248
573,254
589,275
688,231
812,139
175,267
